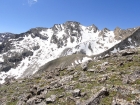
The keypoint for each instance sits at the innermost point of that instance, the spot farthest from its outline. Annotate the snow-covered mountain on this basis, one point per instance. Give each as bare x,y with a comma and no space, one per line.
5,36
29,51
130,42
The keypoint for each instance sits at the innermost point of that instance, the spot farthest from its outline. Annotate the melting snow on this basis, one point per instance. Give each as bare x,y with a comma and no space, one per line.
1,59
76,62
85,59
129,39
115,50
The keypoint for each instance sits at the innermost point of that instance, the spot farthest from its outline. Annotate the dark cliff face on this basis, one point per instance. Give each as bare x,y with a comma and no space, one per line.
12,61
102,33
36,33
94,28
71,30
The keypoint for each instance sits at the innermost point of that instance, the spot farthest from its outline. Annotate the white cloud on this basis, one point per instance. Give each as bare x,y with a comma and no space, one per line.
31,2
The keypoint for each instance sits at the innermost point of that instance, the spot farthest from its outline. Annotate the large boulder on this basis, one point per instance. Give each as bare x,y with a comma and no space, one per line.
84,66
76,93
51,99
95,99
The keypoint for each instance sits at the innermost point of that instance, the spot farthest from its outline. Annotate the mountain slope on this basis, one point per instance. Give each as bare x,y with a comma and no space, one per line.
27,52
108,81
132,41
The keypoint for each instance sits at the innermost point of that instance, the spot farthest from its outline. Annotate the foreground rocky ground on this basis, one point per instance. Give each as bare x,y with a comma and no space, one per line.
112,80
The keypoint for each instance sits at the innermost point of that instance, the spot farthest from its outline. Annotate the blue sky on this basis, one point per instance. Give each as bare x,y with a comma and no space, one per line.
18,16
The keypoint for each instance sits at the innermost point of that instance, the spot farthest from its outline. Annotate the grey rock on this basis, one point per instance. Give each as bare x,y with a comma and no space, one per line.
123,90
114,102
16,58
57,85
33,101
20,103
102,33
9,80
68,87
42,103
84,66
36,33
135,75
76,93
40,91
93,27
27,53
92,70
70,68
5,66
103,79
136,91
126,79
42,96
128,53
33,91
137,102
83,94
51,99
132,77
95,99
119,101
36,47
61,95
36,100
27,97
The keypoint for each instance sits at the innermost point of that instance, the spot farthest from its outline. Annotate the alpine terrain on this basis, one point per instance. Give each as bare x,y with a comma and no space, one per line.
70,64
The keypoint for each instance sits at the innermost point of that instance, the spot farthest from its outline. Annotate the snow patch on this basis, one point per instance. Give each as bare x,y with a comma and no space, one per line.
85,59
115,50
129,39
76,62
1,59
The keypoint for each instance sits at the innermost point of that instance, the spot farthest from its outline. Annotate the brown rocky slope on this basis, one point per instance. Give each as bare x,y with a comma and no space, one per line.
112,80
